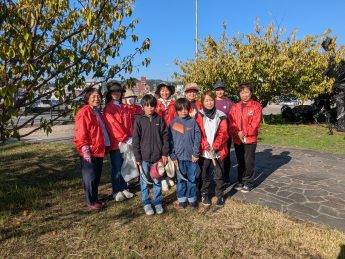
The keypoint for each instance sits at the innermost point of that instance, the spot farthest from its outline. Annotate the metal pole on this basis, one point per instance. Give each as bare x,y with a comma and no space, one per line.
196,27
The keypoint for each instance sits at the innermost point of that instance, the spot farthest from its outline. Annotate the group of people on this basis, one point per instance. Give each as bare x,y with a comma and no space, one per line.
194,135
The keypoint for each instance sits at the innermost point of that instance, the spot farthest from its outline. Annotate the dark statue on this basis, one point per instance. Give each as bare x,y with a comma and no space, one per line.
321,110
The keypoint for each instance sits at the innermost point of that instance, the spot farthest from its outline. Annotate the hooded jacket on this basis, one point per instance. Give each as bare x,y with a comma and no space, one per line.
150,138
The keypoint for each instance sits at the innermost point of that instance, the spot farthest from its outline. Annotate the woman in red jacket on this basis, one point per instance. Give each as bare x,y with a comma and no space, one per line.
165,104
91,139
166,108
214,135
245,119
191,91
114,118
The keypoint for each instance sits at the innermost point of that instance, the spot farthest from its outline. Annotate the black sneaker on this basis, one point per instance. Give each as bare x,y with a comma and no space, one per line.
246,188
220,202
238,186
226,185
206,200
193,205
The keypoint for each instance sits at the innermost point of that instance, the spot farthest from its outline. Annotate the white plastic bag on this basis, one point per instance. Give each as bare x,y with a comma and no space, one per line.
129,168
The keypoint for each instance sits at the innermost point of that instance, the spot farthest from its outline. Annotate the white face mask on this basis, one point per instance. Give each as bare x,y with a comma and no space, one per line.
130,100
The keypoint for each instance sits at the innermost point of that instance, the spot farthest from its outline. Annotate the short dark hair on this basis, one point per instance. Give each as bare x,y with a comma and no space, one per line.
148,99
211,94
90,91
182,103
245,85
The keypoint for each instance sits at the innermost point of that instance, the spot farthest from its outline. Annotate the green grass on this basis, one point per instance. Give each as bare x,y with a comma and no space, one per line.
305,136
42,215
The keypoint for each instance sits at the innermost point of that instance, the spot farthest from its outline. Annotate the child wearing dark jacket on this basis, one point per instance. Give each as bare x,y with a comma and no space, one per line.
185,139
150,145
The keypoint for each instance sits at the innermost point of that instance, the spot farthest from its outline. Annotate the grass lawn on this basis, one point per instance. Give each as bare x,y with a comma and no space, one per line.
43,215
303,136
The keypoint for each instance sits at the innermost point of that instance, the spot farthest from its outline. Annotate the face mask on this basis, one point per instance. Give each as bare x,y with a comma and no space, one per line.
130,100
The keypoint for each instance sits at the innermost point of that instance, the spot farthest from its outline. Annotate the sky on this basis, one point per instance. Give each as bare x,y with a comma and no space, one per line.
170,25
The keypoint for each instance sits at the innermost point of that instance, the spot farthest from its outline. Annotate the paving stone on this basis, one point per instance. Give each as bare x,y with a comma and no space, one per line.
330,221
296,197
337,202
329,211
312,205
303,209
315,199
271,189
284,194
319,192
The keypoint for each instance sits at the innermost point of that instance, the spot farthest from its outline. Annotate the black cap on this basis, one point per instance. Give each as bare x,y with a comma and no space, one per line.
113,86
218,85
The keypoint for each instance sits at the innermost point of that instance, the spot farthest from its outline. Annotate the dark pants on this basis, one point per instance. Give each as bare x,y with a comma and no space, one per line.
91,173
117,181
227,163
206,167
245,154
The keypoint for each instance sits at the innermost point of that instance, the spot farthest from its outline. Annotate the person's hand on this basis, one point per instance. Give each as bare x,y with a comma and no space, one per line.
86,153
241,136
195,159
139,163
164,160
129,141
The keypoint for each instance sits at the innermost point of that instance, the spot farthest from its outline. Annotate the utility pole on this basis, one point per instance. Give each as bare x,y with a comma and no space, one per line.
196,27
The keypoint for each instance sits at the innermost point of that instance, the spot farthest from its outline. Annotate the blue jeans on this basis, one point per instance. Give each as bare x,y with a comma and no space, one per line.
117,181
145,188
91,173
186,190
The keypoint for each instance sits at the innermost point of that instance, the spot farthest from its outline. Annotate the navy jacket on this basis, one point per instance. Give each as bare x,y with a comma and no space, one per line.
185,138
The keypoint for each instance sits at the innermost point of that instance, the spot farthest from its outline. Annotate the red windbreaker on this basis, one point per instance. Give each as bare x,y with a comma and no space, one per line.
167,114
88,131
114,120
221,138
198,107
249,119
130,111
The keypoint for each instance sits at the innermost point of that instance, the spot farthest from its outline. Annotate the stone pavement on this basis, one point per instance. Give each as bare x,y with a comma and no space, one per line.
308,185
305,184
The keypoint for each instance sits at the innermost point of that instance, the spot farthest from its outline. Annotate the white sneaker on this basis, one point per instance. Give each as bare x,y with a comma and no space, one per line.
159,209
165,186
148,210
119,196
127,194
171,182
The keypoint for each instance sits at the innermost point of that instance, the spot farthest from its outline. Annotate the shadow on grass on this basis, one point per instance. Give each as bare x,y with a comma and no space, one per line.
33,172
266,164
342,252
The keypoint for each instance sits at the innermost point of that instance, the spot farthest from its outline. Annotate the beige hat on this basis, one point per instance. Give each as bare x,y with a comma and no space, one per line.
129,93
191,86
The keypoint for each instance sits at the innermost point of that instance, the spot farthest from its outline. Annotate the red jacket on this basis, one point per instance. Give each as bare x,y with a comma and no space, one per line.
250,117
88,131
167,114
130,111
221,138
198,107
114,120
